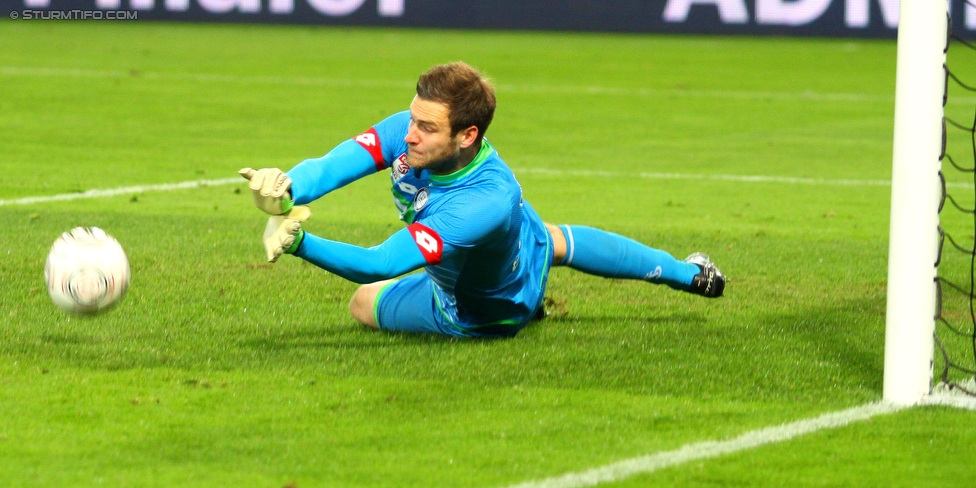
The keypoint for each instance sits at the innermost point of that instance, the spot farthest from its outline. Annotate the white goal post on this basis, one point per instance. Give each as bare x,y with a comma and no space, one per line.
915,194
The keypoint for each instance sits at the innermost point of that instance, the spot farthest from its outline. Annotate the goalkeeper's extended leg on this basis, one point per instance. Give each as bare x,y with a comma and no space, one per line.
610,255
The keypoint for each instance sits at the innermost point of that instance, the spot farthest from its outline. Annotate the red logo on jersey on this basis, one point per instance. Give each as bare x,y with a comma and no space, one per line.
370,141
400,168
429,243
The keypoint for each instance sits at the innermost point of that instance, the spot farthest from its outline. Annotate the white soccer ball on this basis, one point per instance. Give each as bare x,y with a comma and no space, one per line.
86,271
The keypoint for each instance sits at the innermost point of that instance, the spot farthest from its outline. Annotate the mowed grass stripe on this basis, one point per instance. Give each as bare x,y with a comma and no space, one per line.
809,95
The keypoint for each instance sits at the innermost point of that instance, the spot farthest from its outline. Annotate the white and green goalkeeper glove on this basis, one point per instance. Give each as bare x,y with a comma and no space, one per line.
270,188
284,232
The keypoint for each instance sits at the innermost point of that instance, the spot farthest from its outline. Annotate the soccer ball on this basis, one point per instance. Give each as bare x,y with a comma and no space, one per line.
86,271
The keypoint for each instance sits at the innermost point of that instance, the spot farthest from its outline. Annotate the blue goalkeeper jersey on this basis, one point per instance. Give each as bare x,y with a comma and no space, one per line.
485,248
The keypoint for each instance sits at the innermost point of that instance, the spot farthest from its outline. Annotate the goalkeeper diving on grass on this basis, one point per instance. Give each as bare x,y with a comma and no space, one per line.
485,252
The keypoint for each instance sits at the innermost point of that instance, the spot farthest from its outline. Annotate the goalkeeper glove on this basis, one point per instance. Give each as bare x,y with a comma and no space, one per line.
284,232
269,186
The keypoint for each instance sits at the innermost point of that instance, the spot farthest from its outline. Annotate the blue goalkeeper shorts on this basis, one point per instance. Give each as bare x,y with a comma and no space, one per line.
412,304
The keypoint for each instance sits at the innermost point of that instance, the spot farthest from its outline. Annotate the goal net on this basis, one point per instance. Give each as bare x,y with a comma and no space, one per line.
955,313
930,336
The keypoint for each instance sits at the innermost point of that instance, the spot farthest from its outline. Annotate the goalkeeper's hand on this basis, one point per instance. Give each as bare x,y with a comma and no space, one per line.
270,188
284,232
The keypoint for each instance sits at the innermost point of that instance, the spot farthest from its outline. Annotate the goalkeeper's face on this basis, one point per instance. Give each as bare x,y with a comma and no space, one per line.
430,144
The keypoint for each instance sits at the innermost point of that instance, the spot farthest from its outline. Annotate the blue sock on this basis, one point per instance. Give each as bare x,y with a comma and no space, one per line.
611,255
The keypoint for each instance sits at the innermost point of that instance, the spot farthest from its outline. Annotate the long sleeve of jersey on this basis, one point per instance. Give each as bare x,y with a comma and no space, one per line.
313,178
396,256
360,156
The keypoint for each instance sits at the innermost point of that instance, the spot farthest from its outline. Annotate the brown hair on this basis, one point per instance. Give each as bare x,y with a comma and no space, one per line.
469,96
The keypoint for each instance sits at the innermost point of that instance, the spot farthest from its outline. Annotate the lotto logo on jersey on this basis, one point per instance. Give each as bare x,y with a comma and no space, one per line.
370,141
429,243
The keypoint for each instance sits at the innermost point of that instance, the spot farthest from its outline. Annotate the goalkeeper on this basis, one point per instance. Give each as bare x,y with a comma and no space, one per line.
486,252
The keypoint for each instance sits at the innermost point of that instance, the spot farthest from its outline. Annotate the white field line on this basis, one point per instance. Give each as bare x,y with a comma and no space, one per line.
111,192
709,449
711,177
129,190
950,396
957,401
408,84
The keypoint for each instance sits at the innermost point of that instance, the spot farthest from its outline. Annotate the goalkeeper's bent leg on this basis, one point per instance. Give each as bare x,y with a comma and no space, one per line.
610,255
363,303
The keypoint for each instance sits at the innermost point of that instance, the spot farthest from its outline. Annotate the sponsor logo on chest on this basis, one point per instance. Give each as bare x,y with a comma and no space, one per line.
400,168
421,199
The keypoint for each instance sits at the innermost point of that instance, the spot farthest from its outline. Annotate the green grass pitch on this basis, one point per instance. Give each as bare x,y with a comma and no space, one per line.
219,370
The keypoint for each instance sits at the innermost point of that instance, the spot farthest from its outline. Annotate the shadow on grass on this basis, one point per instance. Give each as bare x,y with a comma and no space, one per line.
843,340
664,317
70,339
832,349
356,336
343,336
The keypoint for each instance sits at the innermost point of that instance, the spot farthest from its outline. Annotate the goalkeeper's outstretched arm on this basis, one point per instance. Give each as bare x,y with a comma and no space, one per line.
396,256
276,192
313,178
